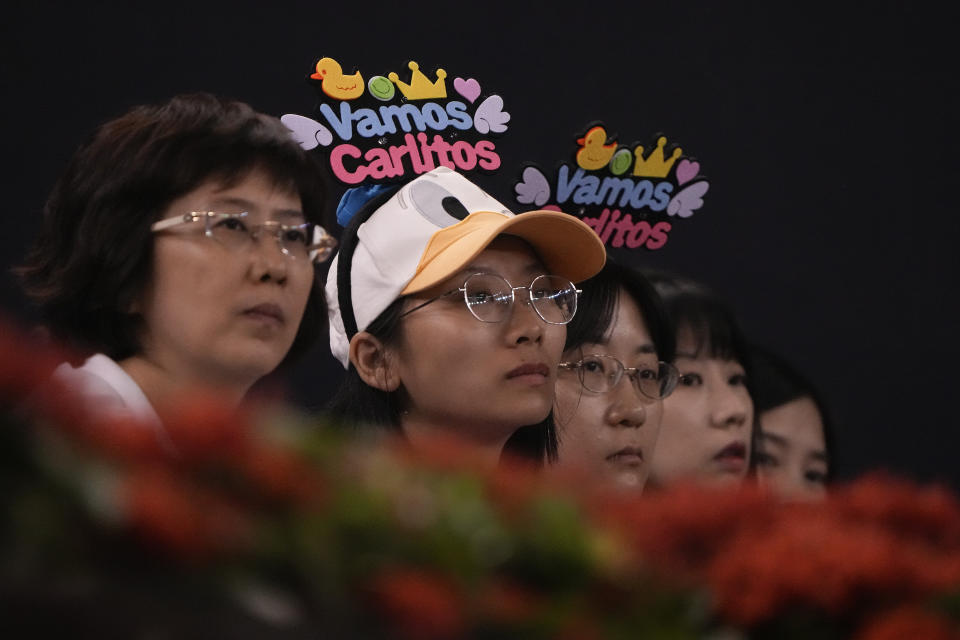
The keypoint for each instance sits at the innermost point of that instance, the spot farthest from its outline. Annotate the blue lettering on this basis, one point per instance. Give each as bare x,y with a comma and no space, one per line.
368,124
435,116
565,187
342,125
661,196
640,197
402,114
586,193
459,117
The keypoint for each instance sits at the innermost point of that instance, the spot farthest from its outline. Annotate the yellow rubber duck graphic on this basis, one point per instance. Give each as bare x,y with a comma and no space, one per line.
335,84
594,152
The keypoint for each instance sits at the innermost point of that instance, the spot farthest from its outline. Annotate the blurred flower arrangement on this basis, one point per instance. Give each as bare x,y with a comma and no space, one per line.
267,523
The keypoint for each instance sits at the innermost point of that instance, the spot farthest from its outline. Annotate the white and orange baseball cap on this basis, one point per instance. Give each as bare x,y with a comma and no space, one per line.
426,232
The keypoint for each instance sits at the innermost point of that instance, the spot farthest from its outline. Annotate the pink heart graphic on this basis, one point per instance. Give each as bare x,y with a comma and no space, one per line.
687,171
469,88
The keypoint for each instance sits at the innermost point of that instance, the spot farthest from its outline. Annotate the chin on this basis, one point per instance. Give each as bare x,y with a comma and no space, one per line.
255,363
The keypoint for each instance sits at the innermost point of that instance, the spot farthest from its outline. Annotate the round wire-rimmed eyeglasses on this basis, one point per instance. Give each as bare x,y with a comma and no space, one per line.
490,298
306,241
600,374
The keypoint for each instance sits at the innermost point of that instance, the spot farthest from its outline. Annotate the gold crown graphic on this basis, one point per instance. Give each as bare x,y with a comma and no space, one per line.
655,166
420,88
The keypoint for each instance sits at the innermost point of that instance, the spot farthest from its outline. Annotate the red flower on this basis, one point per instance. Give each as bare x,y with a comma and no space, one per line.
909,622
504,601
203,428
419,605
193,523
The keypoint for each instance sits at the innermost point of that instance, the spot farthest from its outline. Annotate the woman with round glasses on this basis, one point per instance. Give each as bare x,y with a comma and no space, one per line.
449,313
613,378
707,430
179,248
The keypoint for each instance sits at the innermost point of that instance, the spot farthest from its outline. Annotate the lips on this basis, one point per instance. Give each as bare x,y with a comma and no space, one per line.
732,458
632,456
530,369
733,451
266,312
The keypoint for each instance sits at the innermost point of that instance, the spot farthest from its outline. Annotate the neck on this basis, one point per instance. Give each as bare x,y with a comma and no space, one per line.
485,441
164,383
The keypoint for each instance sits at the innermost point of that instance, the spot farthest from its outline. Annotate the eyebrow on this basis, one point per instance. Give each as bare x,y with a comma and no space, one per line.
243,203
775,439
781,441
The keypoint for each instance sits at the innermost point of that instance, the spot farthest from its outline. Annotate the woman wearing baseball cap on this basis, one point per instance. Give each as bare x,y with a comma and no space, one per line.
449,313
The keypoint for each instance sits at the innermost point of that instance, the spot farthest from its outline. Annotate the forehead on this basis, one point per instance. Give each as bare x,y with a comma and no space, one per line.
628,330
797,421
256,192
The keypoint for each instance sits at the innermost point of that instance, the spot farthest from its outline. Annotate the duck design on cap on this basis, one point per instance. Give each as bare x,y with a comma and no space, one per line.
444,208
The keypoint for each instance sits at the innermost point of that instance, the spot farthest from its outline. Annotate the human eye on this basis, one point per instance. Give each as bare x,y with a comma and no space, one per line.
645,372
690,380
230,223
593,365
738,380
481,295
815,476
295,235
767,460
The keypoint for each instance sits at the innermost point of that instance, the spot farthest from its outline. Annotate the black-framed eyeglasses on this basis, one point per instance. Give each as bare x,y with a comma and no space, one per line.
306,241
490,298
600,373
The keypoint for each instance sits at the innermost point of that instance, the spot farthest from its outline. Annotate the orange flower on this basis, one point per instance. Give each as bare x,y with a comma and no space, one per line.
419,605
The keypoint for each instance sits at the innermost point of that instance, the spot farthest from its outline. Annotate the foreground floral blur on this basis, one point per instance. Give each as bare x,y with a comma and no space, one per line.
269,523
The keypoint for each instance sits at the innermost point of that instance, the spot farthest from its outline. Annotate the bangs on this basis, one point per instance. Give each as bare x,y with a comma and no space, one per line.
709,330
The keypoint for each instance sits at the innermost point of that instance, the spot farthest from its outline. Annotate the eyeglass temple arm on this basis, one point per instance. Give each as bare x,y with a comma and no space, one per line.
431,300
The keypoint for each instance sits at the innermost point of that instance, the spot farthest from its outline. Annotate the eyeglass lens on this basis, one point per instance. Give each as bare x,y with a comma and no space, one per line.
489,297
233,232
602,373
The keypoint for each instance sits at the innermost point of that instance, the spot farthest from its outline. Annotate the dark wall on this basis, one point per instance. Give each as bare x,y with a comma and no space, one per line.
826,136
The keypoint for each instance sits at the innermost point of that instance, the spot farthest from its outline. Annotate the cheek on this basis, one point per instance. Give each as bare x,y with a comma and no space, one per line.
554,337
679,412
581,425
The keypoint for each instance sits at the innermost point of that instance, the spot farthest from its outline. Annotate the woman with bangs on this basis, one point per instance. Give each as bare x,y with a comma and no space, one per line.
614,377
708,421
177,253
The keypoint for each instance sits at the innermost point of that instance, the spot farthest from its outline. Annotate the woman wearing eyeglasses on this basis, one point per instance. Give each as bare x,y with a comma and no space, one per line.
613,378
708,421
179,247
449,313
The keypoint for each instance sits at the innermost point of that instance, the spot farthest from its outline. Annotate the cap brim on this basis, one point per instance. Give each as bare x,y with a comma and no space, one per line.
565,244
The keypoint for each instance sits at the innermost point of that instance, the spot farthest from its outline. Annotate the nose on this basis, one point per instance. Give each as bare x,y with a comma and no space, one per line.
731,408
267,262
524,325
626,408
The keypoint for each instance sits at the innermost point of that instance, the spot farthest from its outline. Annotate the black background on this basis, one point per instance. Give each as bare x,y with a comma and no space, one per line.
827,135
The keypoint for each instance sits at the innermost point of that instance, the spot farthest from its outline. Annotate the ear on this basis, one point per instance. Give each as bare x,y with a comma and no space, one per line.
372,361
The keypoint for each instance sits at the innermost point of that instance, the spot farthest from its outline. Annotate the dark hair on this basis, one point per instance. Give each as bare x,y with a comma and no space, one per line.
597,309
94,253
357,405
776,382
696,312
